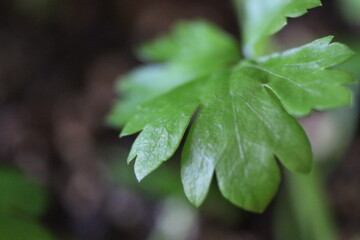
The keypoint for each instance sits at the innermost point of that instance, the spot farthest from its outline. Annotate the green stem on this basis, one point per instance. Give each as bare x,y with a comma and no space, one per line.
310,207
262,47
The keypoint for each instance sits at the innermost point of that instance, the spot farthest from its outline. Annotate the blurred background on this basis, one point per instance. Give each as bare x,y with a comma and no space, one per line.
63,171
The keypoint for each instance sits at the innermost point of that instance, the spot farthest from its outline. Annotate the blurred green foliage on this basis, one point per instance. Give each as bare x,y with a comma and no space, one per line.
22,202
350,10
164,183
303,211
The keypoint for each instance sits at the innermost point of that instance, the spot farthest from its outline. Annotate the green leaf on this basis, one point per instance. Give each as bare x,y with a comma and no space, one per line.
20,195
163,121
300,79
262,18
238,132
192,50
21,229
143,84
243,122
197,42
22,201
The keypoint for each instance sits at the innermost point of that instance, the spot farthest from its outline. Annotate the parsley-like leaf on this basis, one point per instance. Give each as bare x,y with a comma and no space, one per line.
243,114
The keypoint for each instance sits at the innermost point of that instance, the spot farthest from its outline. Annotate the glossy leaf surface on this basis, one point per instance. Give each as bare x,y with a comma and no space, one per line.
237,133
243,114
301,80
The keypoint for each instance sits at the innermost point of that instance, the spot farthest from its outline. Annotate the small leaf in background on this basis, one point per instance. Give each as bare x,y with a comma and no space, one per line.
262,18
22,229
198,42
20,195
22,202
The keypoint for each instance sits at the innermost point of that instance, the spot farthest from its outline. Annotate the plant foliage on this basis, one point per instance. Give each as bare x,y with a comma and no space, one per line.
244,109
22,202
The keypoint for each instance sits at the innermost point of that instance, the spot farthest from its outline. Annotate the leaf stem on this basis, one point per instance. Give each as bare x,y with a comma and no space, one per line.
309,199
